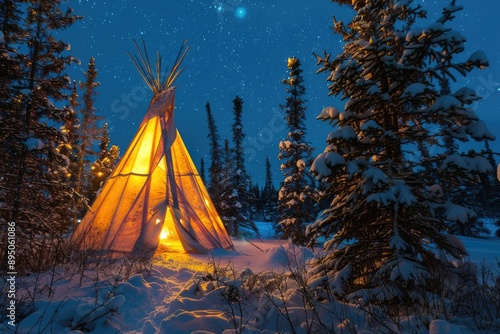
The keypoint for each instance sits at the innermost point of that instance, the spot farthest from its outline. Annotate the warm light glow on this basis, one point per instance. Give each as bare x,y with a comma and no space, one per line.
206,202
164,233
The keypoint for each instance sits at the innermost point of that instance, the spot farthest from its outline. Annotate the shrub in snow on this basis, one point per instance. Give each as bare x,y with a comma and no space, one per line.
386,227
282,301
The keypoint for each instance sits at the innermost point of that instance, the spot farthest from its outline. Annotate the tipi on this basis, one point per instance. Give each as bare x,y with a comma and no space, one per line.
155,193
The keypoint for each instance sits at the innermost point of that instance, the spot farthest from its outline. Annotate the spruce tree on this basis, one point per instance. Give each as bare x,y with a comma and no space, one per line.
10,66
10,36
467,194
11,118
489,191
255,201
202,171
71,132
38,187
228,206
242,181
490,187
89,133
215,169
69,148
297,196
386,227
102,168
269,196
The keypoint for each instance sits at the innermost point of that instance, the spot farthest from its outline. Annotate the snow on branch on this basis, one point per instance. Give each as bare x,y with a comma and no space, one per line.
328,113
324,162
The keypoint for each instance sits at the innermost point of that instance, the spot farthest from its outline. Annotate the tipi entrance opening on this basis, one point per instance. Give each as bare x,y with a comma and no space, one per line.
169,237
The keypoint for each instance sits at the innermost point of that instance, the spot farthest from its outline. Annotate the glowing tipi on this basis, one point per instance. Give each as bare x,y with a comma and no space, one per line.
155,193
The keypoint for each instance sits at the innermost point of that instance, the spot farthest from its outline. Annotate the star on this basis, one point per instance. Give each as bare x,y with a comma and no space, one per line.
240,12
241,47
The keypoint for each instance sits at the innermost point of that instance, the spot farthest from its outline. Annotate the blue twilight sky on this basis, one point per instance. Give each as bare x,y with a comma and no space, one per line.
240,47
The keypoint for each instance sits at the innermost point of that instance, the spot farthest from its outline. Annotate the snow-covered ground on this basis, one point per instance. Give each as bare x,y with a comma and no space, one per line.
200,294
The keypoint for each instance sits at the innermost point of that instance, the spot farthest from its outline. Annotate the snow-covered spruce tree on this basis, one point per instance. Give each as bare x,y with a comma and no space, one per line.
269,196
467,194
102,168
297,195
387,224
242,182
215,168
470,196
38,188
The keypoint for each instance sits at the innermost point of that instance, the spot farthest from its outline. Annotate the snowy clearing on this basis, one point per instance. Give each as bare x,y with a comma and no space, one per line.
176,294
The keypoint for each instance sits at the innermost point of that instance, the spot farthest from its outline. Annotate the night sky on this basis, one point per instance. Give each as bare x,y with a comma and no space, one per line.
240,47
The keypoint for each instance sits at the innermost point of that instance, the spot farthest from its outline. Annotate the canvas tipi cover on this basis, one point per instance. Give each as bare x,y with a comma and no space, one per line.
155,193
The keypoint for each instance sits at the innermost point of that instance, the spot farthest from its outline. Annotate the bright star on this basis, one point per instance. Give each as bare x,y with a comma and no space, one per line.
240,12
